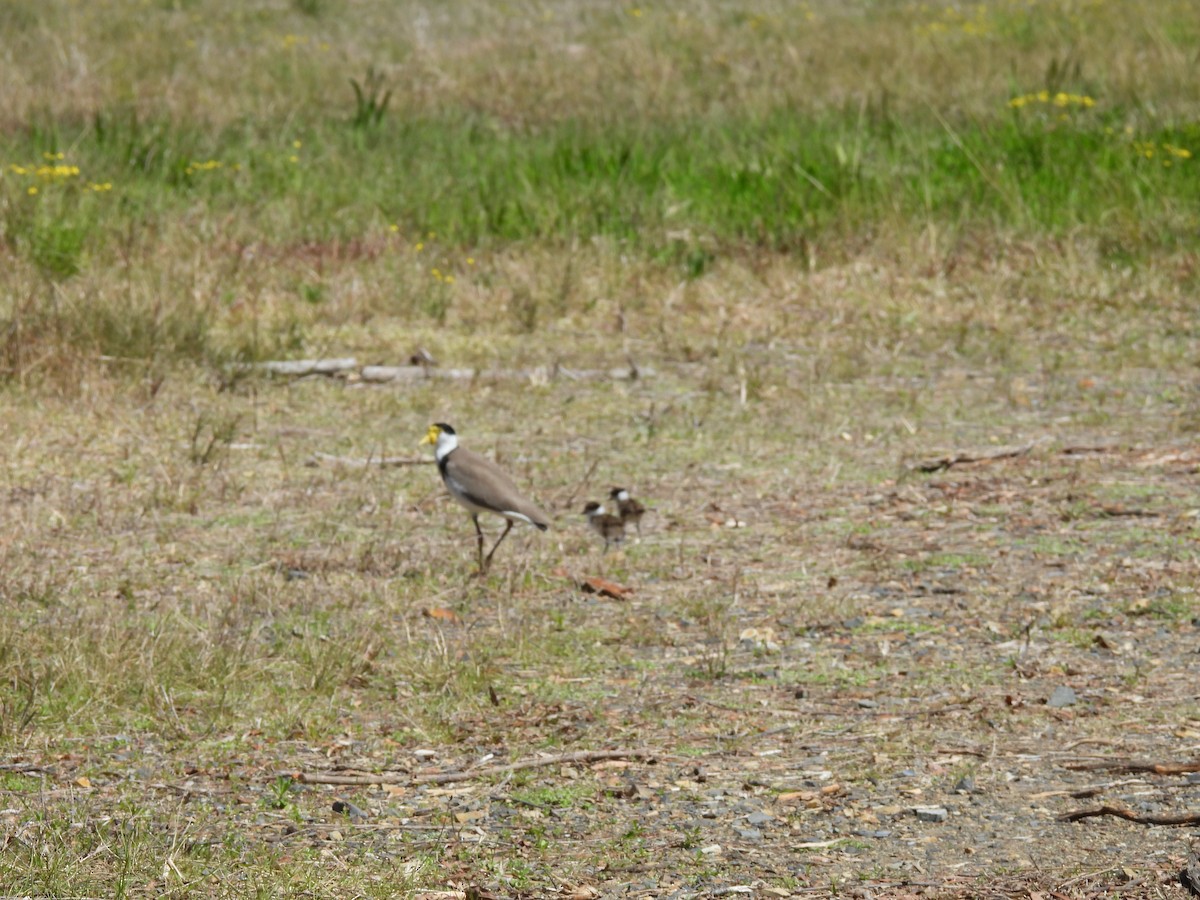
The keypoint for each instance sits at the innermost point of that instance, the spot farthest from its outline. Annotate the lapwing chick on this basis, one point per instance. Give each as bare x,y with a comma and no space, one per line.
608,526
482,487
628,508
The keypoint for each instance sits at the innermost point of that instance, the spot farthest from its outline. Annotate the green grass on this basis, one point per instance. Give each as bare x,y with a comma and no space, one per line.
779,181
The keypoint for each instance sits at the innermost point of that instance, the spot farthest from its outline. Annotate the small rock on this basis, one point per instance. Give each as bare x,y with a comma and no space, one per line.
346,808
749,834
931,813
1193,778
1061,697
965,785
867,704
758,818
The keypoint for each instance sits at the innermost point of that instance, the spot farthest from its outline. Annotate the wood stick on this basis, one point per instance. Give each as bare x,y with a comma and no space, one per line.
1120,813
384,462
945,462
1156,768
487,772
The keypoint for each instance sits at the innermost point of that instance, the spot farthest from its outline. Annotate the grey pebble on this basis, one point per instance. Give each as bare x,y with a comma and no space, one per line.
1062,696
931,813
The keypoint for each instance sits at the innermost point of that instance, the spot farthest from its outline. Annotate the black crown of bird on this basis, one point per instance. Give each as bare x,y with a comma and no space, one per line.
482,487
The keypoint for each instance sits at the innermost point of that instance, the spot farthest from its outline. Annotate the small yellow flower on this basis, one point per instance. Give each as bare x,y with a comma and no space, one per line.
32,190
1043,96
470,260
393,228
52,156
420,246
55,172
297,144
449,279
294,158
432,235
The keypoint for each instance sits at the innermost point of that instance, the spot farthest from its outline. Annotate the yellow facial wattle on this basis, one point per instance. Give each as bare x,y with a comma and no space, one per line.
431,435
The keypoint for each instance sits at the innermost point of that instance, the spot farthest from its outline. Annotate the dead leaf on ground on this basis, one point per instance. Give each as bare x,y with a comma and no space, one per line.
594,584
442,615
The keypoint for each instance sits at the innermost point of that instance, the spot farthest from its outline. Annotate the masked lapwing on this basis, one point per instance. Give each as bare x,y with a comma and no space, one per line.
628,508
481,486
608,526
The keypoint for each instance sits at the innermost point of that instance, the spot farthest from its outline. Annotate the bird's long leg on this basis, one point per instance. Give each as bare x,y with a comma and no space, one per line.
487,562
479,535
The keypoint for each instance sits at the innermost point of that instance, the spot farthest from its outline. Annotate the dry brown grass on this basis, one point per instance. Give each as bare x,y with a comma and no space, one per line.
549,60
190,604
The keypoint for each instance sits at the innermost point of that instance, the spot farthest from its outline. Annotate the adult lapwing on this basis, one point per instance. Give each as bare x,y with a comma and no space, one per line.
481,486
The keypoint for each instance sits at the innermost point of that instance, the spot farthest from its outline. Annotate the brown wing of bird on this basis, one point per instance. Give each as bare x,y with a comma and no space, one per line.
631,510
486,485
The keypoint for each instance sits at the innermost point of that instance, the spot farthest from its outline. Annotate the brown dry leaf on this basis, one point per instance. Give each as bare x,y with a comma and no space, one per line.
594,584
442,615
581,892
795,796
83,781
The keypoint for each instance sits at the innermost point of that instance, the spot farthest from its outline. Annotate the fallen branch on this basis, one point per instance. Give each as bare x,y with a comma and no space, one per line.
941,463
1115,511
1156,768
542,375
350,368
1084,792
582,756
384,462
1120,813
297,368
